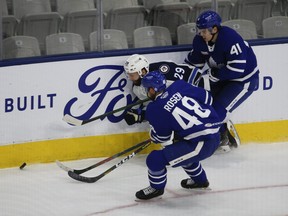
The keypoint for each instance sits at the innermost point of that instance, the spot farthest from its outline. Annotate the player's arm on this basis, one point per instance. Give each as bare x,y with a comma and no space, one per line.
160,131
236,62
173,71
134,116
163,139
140,92
195,57
137,113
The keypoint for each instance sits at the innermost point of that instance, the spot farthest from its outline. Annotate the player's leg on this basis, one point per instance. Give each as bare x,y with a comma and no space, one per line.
231,95
178,154
197,177
188,155
157,175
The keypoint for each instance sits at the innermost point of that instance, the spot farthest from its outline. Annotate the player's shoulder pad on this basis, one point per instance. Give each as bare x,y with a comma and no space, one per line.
166,66
229,35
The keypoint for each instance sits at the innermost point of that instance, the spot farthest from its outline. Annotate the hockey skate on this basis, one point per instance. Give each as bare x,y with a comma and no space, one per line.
234,139
149,193
190,184
224,145
229,139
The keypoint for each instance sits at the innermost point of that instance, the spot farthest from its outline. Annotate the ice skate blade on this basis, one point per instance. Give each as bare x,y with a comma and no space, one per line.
149,200
199,189
222,149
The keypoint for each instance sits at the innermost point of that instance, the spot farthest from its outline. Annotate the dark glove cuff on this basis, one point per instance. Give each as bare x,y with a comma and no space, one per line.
130,120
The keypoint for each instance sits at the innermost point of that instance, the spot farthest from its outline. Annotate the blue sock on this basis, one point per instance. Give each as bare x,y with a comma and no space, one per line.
158,179
157,172
196,172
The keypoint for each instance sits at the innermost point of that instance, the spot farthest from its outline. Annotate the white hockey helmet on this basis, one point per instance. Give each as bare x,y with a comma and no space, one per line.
136,63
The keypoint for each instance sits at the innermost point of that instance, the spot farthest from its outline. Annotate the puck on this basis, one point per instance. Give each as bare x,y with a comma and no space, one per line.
22,166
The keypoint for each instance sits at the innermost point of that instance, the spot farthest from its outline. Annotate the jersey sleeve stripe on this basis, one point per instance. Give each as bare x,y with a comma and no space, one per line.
202,133
191,79
236,61
199,65
235,69
159,139
248,76
208,99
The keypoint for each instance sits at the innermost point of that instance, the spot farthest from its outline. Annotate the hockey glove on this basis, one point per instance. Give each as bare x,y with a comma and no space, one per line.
134,116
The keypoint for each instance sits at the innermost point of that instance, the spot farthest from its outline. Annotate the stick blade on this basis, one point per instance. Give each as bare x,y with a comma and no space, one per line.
71,120
83,178
62,166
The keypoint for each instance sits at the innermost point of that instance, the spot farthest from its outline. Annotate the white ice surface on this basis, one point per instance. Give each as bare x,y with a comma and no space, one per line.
250,181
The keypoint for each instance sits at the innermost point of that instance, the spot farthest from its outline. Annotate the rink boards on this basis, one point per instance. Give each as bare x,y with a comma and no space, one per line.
34,98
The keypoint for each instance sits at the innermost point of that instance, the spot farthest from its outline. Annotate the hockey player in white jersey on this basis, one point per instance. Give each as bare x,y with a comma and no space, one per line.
136,66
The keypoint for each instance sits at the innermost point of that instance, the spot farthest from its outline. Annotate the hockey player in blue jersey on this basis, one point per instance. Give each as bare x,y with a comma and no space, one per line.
184,110
233,75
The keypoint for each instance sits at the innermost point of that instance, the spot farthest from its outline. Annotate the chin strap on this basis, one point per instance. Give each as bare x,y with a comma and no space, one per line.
211,43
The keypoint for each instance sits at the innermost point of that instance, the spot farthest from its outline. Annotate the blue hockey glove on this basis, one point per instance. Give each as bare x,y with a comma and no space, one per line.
134,116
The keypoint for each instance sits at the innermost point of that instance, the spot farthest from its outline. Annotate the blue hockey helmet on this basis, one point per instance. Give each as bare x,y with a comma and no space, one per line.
155,80
208,19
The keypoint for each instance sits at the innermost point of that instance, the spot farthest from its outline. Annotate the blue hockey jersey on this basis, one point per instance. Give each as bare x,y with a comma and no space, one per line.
183,109
230,54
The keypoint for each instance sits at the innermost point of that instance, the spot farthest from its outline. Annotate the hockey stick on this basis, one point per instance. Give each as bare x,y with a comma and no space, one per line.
77,122
96,178
204,72
80,171
213,124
